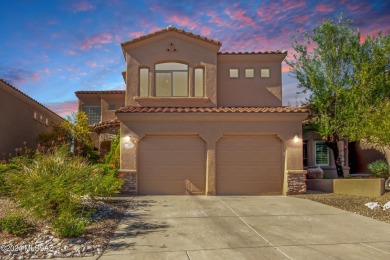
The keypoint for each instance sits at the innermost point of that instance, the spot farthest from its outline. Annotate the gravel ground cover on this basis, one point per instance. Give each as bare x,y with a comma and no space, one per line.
43,243
354,204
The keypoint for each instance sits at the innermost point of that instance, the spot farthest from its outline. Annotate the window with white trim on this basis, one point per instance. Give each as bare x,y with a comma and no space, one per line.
47,121
321,154
264,73
144,82
171,79
199,82
234,73
249,73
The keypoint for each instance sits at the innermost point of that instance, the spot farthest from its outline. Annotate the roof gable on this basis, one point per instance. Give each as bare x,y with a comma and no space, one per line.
171,29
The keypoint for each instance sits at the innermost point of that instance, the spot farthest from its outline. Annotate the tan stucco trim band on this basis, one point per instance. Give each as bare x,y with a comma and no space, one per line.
297,172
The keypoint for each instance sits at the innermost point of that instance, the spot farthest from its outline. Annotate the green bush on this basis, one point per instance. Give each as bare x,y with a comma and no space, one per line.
70,225
15,224
379,168
53,185
113,157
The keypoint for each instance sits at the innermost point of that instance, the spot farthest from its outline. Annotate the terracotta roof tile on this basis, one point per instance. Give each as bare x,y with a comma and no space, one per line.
8,84
100,92
253,52
211,110
106,124
171,28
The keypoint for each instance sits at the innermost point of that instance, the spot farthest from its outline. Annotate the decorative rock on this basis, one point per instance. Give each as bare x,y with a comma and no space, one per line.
315,173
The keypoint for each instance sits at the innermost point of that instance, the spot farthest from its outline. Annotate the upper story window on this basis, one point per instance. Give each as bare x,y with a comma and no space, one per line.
93,113
144,82
264,73
171,79
47,121
199,82
249,73
321,154
35,115
234,73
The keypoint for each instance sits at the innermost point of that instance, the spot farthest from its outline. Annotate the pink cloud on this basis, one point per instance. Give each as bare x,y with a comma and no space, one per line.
82,7
302,18
91,64
183,21
288,4
96,41
136,34
71,52
324,8
76,71
240,15
63,108
205,30
36,76
285,68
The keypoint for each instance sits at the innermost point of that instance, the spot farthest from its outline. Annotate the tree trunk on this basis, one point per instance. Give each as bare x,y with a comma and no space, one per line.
336,154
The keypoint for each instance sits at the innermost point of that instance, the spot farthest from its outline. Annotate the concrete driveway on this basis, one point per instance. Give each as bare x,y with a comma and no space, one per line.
235,227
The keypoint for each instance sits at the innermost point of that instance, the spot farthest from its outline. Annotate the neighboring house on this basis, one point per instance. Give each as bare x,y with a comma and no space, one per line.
22,120
198,121
317,153
354,156
100,107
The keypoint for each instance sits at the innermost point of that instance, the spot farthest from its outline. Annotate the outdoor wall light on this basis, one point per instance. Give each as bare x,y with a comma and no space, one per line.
127,139
296,139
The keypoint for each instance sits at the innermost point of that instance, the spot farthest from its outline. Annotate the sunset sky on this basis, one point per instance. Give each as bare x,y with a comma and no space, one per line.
51,48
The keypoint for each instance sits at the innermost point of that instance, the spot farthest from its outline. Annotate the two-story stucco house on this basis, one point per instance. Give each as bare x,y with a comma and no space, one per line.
22,120
100,107
198,121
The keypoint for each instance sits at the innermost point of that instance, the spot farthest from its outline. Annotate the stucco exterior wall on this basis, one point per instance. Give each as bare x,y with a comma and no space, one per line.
102,100
193,52
17,124
210,128
254,91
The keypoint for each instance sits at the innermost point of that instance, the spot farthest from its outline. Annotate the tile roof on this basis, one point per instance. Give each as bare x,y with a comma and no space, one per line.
14,88
100,92
253,52
211,110
106,124
174,29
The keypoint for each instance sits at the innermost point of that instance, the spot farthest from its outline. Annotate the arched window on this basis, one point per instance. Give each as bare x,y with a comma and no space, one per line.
171,79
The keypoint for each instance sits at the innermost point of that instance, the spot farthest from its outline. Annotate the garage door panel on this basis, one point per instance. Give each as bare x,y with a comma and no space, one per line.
249,165
171,165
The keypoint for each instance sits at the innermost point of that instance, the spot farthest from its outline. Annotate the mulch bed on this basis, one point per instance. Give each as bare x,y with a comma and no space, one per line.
354,204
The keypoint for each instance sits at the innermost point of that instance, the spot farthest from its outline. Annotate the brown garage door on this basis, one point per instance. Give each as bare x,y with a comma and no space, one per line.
249,165
171,165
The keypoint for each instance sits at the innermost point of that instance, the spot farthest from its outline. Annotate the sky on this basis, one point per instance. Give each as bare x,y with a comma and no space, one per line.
51,48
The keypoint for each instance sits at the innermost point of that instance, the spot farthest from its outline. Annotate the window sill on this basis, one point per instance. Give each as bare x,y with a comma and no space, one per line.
172,100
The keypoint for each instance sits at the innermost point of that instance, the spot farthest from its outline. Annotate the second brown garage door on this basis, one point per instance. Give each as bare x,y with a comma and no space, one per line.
249,165
171,165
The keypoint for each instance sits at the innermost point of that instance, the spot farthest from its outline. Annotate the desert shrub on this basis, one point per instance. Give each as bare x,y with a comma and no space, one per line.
379,168
69,224
53,185
113,157
15,224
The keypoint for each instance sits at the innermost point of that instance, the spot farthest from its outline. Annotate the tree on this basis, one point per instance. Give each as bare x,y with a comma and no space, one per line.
80,131
333,68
